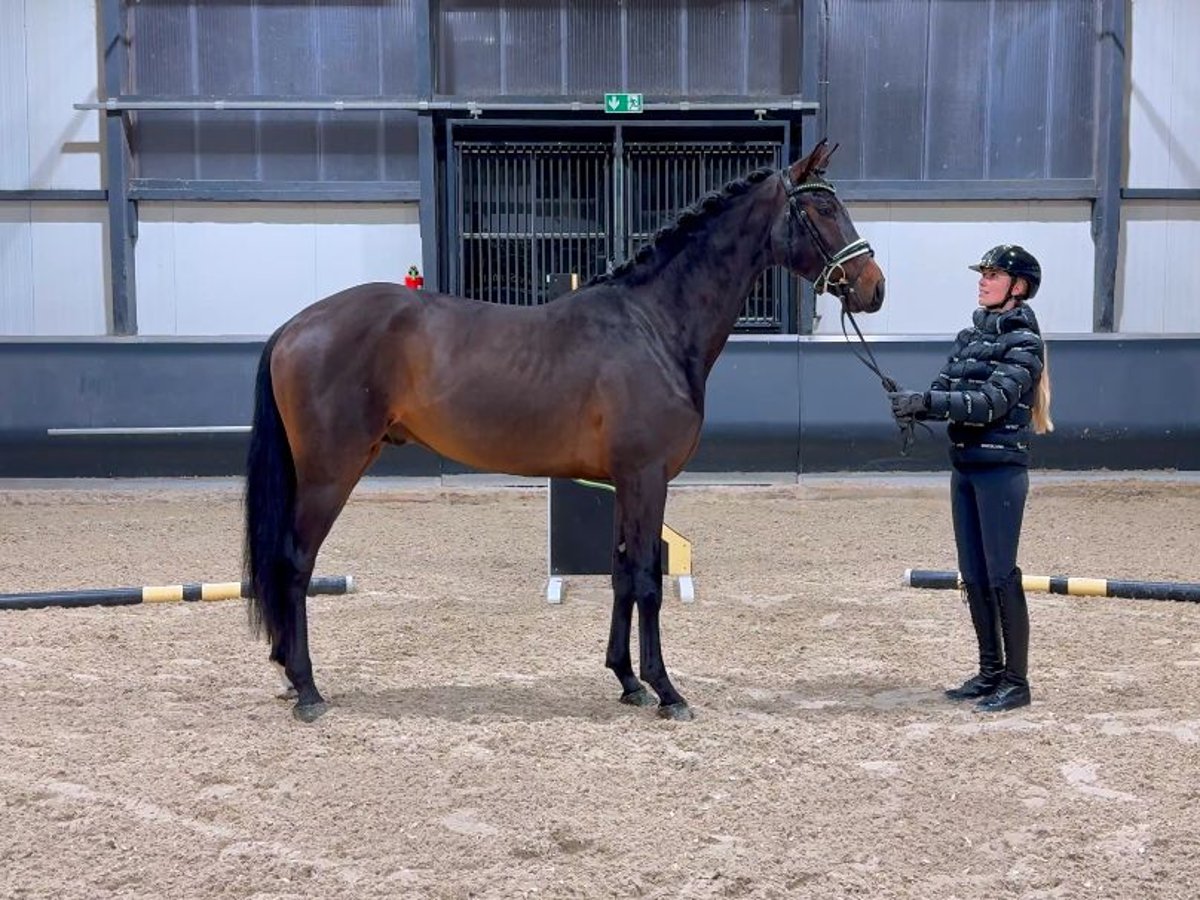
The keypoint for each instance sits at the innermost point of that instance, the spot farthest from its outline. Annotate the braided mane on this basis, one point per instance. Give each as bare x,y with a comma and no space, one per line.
669,240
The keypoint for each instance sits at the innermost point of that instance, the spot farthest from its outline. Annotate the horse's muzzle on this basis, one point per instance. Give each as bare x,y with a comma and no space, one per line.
865,293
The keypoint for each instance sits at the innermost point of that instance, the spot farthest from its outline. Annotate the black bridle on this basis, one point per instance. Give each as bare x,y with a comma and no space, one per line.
835,262
841,286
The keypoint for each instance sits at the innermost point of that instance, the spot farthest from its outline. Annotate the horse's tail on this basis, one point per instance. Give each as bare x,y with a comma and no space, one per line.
270,502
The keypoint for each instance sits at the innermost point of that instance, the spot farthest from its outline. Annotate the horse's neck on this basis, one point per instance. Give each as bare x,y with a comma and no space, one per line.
717,273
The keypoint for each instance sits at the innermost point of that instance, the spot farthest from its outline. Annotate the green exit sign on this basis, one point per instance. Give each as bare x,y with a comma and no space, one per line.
623,103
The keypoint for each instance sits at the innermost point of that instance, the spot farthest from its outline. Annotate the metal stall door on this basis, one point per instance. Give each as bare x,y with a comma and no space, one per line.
664,178
528,216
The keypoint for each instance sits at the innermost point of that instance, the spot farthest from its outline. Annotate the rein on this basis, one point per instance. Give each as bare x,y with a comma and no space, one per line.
825,282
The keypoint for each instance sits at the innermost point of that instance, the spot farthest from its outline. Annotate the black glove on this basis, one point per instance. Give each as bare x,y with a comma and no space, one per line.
909,404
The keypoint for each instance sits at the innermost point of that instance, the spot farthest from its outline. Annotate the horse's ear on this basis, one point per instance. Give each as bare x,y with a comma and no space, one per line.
813,164
828,155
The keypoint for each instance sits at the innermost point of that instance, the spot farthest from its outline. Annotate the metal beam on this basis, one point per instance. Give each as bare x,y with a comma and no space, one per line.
1160,193
122,213
117,104
1110,137
51,195
291,192
966,190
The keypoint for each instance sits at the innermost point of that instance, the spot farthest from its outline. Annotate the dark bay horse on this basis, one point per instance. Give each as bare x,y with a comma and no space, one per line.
604,383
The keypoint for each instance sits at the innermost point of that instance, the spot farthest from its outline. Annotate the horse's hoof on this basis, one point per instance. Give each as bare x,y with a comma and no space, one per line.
640,697
309,712
287,694
679,712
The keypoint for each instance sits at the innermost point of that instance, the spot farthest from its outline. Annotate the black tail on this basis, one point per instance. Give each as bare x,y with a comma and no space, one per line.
270,502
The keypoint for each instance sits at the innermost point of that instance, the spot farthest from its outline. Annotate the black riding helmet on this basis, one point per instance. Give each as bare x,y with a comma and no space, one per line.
1016,261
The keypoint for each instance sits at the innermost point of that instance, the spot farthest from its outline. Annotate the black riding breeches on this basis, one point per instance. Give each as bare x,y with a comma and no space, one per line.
988,504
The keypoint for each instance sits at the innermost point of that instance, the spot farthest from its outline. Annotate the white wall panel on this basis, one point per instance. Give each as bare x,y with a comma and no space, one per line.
14,98
208,269
16,270
1159,276
53,269
62,68
924,250
70,268
1164,101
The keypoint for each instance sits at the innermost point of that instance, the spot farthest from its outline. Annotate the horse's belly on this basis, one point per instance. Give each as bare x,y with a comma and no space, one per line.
518,442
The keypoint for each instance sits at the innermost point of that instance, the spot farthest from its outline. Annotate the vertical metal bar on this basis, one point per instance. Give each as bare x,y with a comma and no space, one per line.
684,81
987,92
492,210
474,164
744,46
619,169
122,212
426,38
503,28
576,208
427,210
256,86
521,245
623,29
564,71
504,196
1051,95
554,187
470,179
480,277
814,81
813,75
1106,208
431,250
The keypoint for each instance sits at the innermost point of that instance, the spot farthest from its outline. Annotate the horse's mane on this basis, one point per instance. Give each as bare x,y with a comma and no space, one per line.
669,240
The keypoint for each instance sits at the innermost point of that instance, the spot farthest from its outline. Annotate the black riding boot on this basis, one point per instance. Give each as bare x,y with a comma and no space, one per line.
985,616
1013,691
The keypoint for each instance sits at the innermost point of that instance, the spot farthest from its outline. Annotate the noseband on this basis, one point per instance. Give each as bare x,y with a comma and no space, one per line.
833,276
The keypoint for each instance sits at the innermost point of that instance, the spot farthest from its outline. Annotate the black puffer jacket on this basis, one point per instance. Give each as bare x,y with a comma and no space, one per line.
986,388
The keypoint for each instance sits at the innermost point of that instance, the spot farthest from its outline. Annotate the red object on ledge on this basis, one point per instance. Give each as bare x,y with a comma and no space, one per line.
414,278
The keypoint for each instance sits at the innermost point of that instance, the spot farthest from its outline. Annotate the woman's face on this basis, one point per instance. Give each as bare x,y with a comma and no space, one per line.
993,288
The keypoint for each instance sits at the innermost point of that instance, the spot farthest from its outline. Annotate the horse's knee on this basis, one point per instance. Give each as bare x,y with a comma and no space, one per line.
622,582
647,587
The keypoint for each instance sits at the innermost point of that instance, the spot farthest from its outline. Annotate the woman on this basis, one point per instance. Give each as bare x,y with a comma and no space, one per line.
994,389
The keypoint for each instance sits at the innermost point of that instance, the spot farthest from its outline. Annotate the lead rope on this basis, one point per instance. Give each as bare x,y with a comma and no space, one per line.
909,425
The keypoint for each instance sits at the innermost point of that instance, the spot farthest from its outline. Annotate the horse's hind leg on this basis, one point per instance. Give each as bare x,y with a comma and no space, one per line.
643,500
319,500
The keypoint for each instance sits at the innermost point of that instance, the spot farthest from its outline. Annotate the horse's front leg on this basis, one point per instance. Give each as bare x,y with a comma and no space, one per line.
618,659
642,508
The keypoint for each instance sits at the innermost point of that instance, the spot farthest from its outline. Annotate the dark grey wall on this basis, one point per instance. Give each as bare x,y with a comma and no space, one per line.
775,404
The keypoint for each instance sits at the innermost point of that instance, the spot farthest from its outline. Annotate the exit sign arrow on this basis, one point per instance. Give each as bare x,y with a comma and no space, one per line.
623,103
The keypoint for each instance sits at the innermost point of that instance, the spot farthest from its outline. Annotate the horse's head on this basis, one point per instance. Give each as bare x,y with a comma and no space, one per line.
816,239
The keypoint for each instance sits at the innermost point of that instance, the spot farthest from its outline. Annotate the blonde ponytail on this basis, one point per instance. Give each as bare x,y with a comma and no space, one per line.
1041,400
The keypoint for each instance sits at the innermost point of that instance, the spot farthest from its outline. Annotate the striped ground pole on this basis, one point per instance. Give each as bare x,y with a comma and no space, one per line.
1188,592
161,593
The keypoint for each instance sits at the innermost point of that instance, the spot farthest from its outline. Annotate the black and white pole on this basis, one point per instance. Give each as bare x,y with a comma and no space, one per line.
161,593
1187,592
